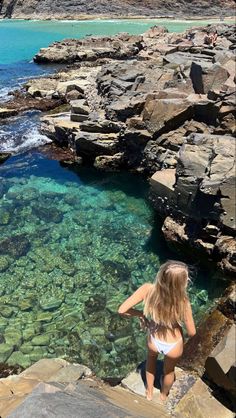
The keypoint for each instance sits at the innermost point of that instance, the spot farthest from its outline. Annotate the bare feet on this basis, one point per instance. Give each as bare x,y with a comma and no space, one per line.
163,397
149,395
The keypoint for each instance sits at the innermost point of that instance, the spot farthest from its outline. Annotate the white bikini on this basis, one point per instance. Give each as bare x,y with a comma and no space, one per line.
161,346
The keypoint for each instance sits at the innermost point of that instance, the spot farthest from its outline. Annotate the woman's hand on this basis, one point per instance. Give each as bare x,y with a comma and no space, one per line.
144,322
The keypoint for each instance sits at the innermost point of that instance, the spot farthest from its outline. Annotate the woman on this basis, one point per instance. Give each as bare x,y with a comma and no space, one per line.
167,304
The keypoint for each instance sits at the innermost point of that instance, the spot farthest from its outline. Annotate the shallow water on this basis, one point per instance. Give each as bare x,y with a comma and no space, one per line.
73,246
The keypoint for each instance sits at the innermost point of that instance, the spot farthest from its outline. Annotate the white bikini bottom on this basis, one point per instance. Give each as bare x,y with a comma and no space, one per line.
163,347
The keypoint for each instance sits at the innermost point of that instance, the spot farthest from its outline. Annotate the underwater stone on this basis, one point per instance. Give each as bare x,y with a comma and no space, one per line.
16,245
4,263
30,332
5,352
18,358
6,311
5,216
48,304
48,214
26,348
43,339
44,317
26,304
3,324
13,337
95,303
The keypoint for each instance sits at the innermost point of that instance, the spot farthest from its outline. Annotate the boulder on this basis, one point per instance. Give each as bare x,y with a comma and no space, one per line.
90,144
109,162
199,400
164,115
210,332
220,365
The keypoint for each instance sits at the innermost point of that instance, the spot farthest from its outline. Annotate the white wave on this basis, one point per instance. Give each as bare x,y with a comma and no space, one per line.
4,93
31,139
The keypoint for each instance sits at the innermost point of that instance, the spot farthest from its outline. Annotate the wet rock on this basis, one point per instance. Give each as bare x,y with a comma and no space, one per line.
16,246
39,340
5,352
48,214
4,263
109,162
7,311
4,156
91,144
52,303
225,249
20,359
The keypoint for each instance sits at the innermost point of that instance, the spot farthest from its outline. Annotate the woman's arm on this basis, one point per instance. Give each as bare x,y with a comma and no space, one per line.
126,309
189,322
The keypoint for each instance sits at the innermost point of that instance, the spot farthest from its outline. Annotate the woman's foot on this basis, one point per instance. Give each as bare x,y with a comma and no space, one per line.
149,394
163,396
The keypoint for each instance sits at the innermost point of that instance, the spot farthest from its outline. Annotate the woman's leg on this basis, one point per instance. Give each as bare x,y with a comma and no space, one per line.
170,362
150,368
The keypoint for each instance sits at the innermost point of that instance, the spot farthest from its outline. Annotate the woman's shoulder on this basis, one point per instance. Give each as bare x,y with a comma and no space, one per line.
146,287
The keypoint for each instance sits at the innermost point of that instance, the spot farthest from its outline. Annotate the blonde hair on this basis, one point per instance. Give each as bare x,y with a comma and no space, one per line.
166,301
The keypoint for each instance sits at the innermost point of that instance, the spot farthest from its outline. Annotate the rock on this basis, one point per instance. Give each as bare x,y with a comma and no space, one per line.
220,365
43,339
212,79
70,373
109,162
16,245
6,113
52,303
48,214
18,358
44,369
210,332
13,337
79,107
200,400
164,115
90,144
5,352
162,183
225,249
4,263
4,156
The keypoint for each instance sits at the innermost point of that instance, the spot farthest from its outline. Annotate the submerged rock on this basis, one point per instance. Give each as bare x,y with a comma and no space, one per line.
16,245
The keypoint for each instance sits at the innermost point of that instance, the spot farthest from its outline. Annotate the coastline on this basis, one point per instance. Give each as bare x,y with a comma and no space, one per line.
115,17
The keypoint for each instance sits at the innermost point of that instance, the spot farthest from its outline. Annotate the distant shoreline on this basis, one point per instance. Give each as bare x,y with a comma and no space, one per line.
112,17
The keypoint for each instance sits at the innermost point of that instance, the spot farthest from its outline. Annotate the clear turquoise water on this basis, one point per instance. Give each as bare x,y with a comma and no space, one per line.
73,246
20,40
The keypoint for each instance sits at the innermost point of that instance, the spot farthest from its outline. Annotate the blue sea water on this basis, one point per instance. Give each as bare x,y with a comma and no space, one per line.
73,244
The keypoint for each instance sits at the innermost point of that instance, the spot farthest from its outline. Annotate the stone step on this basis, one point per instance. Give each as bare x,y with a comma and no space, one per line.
74,117
79,107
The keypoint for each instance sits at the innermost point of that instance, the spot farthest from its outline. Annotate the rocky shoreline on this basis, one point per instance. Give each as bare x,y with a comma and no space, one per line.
35,9
161,104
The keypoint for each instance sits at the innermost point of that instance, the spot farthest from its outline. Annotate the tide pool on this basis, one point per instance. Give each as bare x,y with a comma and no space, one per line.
73,246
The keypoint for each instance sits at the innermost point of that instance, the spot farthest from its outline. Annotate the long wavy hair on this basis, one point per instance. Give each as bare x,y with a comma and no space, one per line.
166,301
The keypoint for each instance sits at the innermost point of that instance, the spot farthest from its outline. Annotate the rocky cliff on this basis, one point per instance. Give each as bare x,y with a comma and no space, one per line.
74,9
